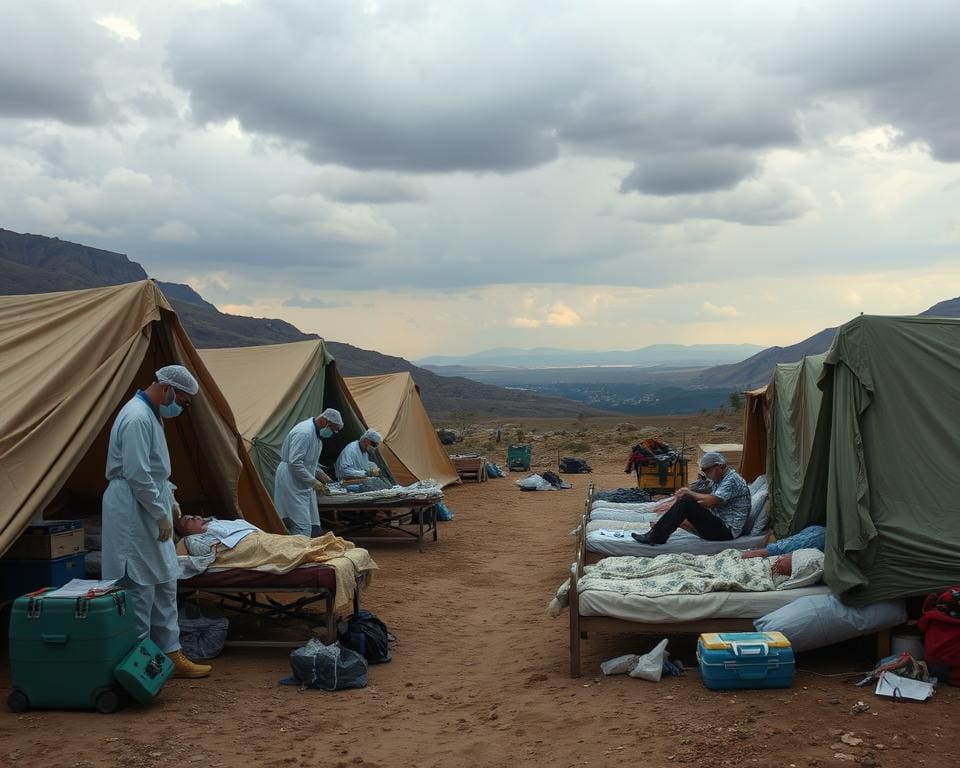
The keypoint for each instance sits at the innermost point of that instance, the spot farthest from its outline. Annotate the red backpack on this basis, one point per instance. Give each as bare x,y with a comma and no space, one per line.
940,624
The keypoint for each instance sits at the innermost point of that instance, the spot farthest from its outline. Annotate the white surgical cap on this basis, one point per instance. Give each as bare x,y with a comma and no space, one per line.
711,458
373,436
333,416
179,377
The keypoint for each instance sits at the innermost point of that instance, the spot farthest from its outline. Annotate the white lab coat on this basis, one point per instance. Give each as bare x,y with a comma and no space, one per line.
353,462
137,498
293,492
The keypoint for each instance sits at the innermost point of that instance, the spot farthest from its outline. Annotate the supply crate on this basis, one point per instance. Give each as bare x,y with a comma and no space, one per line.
48,540
18,577
518,457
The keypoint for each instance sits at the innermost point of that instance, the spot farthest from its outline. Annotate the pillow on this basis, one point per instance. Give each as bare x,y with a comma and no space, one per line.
762,519
760,484
757,507
815,621
807,569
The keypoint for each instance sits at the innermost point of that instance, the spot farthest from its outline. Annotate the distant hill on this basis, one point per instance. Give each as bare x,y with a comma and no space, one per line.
756,371
39,264
947,308
672,355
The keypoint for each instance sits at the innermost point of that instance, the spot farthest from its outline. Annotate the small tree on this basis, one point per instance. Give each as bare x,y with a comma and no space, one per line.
736,401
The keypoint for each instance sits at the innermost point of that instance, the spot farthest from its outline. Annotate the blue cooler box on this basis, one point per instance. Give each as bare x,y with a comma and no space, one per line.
732,660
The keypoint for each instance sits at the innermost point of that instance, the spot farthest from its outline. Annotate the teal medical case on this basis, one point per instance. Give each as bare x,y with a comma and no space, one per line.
63,651
144,670
736,660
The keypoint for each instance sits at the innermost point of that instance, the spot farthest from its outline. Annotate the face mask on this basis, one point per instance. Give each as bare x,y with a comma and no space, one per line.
173,408
371,449
326,432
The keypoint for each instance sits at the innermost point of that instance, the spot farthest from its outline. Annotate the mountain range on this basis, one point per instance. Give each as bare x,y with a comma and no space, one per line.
39,264
665,355
755,371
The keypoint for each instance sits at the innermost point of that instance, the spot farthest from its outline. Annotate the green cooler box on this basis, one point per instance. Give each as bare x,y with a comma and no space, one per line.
518,457
63,651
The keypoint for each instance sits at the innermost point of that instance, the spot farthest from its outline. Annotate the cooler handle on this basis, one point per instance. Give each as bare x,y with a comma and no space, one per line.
754,674
748,649
59,639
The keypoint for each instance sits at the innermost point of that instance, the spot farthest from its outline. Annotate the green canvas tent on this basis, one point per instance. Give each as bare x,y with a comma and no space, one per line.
793,400
273,387
882,473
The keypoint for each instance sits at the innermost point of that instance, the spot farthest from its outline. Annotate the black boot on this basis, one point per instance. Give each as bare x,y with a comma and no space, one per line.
644,538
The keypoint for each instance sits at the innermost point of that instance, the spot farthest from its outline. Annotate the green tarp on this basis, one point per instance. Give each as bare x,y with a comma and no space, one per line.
883,473
794,402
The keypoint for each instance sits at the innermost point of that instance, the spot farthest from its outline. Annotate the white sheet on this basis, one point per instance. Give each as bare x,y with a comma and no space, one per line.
681,608
609,541
623,516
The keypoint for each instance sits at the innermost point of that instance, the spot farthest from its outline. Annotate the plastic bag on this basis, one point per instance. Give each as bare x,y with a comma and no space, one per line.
203,631
650,665
328,667
620,665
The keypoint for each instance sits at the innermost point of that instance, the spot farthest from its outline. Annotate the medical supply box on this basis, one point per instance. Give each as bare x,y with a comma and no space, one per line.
731,660
144,670
19,577
63,651
48,540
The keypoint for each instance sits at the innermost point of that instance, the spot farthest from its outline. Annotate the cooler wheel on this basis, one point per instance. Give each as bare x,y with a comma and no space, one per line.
108,701
18,701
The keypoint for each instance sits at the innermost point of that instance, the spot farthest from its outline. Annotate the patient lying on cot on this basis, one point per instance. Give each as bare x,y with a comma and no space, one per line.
686,574
210,542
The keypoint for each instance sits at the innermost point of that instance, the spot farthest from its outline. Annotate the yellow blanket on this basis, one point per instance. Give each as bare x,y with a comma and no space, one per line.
276,553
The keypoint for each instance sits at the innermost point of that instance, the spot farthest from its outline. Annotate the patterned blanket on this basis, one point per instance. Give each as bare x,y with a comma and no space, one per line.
686,574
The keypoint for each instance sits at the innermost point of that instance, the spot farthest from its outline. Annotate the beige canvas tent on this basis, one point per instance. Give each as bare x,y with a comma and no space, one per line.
391,404
273,387
753,460
68,362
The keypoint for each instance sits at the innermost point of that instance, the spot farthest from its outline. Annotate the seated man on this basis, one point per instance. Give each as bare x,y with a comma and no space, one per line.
716,515
811,537
355,470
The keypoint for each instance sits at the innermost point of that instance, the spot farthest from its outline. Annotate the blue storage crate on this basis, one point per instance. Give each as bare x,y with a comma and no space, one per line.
19,577
736,660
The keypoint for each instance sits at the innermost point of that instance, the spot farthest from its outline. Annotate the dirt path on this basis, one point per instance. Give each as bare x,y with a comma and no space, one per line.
480,678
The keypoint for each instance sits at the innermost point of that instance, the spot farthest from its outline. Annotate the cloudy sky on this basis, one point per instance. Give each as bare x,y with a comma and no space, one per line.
425,178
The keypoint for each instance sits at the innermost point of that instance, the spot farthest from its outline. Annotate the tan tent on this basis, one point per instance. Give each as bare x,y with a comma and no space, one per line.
273,387
753,460
68,362
391,404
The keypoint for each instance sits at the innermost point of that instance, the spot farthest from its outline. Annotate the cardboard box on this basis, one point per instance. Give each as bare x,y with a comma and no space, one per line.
49,540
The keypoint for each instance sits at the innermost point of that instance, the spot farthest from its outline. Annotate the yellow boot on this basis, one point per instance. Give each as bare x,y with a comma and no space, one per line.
183,667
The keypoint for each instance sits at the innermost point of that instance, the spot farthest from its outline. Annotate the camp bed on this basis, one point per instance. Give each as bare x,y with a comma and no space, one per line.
252,592
351,514
592,611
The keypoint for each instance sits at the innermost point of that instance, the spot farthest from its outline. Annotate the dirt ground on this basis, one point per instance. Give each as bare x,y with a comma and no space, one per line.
480,672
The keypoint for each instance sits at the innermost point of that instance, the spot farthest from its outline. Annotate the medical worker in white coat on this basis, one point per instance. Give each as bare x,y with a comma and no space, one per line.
295,485
138,512
355,469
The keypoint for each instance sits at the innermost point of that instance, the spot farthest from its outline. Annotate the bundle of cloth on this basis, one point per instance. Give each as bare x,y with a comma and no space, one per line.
651,452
